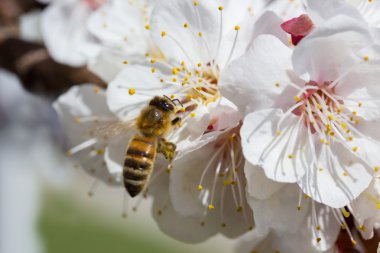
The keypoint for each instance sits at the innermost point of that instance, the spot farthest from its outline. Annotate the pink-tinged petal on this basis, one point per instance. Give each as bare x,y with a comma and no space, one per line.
280,149
337,178
298,27
255,80
325,50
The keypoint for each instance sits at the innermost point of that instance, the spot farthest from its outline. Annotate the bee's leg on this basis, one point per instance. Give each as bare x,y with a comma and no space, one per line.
177,121
168,149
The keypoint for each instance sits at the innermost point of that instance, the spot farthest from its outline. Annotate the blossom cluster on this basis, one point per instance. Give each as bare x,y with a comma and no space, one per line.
278,142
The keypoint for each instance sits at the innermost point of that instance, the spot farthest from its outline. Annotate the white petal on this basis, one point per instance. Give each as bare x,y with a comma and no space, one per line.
337,38
279,212
185,179
61,19
146,85
258,185
186,229
251,79
323,10
185,44
284,158
85,101
120,24
339,178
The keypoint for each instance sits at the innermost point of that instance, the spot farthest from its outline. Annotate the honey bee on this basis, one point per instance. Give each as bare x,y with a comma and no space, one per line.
153,124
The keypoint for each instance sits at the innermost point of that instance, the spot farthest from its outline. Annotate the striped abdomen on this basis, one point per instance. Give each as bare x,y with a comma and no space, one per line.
138,163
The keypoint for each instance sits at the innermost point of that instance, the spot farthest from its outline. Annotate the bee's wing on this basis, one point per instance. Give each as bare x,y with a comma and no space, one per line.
111,130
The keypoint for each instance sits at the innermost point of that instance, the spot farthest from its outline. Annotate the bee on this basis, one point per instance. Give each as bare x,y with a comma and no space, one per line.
153,124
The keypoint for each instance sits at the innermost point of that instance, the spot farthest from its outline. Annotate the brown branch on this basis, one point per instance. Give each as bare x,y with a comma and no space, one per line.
38,72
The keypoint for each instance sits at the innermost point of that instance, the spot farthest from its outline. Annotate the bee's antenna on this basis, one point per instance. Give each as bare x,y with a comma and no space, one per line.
174,100
177,101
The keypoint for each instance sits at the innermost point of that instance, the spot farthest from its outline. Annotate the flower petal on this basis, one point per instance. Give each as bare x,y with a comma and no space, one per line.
120,24
338,38
187,44
133,88
279,212
281,155
339,178
258,185
250,81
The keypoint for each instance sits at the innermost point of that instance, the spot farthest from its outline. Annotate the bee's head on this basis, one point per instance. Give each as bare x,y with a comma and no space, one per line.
163,103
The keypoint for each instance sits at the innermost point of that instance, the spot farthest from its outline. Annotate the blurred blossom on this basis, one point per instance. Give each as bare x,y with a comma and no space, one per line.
29,137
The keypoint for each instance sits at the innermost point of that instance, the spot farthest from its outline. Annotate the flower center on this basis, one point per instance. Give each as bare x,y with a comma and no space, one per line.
321,111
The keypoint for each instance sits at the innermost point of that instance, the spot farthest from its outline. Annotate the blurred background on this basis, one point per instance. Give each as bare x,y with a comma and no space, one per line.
44,201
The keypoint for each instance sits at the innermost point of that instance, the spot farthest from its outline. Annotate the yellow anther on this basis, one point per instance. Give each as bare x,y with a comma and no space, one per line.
100,152
343,226
353,242
239,209
153,70
200,188
306,196
220,8
174,79
354,113
321,140
153,61
200,34
340,109
345,173
199,64
198,88
376,169
296,98
362,227
366,58
174,71
290,156
299,208
197,72
172,96
237,28
278,132
360,104
350,138
344,125
161,80
132,91
277,85
163,34
355,149
330,117
357,121
319,106
378,206
318,239
125,62
195,3
69,153
190,96
193,114
318,228
147,27
186,25
200,80
211,206
345,212
182,109
320,169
